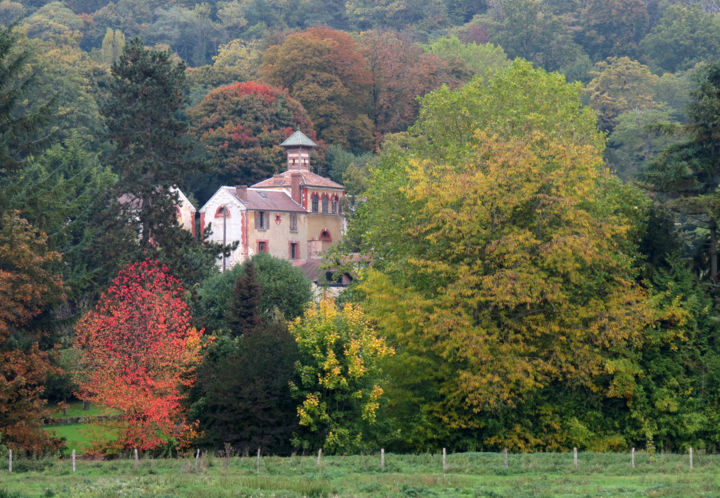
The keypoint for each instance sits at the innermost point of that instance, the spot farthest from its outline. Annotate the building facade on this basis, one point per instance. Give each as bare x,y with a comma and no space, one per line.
295,215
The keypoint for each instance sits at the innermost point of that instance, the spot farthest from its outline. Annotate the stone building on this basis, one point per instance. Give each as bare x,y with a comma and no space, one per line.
295,215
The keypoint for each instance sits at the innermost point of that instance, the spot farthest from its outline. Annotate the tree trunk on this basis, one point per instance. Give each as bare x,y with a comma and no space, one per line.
713,252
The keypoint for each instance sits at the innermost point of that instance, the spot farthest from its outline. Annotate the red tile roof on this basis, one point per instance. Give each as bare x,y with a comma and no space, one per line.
268,200
310,179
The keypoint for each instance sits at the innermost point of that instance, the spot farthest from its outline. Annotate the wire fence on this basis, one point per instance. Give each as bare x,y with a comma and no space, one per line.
445,462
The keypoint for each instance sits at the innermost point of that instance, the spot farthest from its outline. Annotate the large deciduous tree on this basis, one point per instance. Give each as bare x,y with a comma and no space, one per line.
400,72
620,84
243,125
29,283
138,353
338,386
613,28
684,36
324,69
503,266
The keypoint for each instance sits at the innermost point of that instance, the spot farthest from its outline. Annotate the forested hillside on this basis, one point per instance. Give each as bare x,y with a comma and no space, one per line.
533,187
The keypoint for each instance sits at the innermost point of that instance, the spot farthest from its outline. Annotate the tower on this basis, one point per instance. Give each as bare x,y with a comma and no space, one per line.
298,147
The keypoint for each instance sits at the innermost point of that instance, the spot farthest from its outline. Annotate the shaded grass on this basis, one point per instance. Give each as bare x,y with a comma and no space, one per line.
81,437
469,474
75,409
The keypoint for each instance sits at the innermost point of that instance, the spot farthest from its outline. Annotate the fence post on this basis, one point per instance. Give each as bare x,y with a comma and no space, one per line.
136,458
228,451
691,459
10,460
319,455
258,461
73,460
444,461
632,457
506,458
197,457
382,458
575,456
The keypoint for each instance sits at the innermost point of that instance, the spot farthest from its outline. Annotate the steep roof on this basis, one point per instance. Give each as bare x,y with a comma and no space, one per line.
309,179
298,139
268,200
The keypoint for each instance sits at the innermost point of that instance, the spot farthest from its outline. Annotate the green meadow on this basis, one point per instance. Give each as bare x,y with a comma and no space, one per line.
467,474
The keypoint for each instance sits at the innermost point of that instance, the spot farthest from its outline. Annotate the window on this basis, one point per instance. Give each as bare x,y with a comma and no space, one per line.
294,250
262,246
325,202
261,220
325,236
221,212
293,222
334,204
315,203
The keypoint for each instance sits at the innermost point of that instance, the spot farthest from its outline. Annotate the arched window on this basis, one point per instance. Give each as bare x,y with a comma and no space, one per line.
334,204
221,212
315,200
325,203
325,236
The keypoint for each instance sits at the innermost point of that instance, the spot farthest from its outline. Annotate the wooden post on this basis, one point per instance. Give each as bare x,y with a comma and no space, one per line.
10,460
319,455
258,461
228,450
506,458
73,460
137,460
691,459
632,457
382,458
444,461
575,456
197,457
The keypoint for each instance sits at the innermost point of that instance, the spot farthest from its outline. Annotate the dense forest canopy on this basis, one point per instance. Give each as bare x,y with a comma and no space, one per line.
535,185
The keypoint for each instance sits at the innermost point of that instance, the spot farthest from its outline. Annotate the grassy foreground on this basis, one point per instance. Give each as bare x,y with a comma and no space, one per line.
468,474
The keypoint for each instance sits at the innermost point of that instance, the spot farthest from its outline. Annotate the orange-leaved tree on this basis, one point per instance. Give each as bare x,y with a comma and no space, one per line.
29,285
138,353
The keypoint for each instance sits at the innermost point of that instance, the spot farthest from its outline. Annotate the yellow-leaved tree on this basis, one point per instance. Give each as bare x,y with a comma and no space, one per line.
503,268
338,384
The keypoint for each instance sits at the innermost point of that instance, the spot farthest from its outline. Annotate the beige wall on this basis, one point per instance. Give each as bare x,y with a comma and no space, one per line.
278,235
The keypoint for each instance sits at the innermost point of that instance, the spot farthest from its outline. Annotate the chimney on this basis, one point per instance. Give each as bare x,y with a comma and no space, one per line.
295,181
241,192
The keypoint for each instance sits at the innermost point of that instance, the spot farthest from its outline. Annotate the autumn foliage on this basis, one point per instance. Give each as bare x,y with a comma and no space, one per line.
28,284
242,125
325,70
138,353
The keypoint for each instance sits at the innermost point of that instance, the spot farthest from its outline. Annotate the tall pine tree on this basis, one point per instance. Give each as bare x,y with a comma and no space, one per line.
686,175
243,312
151,153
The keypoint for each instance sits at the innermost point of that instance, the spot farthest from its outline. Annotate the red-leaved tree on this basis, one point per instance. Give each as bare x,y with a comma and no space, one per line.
138,353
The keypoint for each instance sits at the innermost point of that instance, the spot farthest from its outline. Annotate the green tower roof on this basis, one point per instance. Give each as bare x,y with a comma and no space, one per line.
298,139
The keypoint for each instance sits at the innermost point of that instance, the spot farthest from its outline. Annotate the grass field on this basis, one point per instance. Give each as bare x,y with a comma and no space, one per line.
75,409
468,474
80,436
